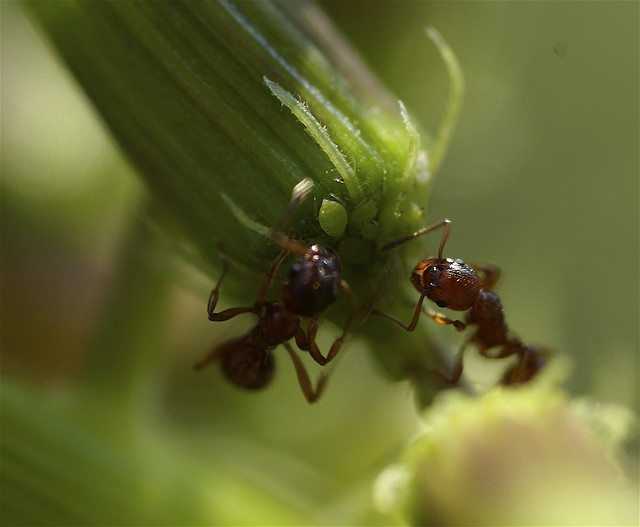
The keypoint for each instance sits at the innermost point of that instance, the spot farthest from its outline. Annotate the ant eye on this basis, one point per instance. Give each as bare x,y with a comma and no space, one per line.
433,276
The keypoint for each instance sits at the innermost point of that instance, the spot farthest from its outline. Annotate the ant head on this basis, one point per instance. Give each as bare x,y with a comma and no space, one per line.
447,282
313,282
246,365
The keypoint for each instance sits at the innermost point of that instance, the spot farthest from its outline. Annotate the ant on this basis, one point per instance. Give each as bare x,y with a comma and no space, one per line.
313,284
451,283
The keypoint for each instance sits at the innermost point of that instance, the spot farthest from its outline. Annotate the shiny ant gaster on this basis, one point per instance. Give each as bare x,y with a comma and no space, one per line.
312,286
451,283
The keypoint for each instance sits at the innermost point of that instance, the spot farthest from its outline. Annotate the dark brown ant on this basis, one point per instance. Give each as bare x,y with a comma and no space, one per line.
312,286
451,283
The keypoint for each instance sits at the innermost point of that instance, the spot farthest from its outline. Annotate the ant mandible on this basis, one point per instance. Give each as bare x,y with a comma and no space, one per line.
312,286
451,283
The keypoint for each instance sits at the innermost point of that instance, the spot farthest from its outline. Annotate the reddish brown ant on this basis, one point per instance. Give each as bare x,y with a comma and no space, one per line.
451,283
312,285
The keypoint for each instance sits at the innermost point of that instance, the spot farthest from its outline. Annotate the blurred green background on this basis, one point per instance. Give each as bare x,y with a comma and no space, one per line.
541,179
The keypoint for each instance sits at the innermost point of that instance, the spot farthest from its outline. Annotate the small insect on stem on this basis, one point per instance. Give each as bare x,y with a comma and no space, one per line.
313,284
453,284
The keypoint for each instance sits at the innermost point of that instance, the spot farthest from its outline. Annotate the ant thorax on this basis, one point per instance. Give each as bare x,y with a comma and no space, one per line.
276,324
448,282
313,283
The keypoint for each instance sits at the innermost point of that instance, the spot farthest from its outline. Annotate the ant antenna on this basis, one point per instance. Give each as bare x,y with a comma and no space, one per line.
444,223
300,193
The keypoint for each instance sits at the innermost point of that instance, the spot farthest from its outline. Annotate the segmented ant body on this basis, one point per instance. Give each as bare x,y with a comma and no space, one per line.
313,284
451,283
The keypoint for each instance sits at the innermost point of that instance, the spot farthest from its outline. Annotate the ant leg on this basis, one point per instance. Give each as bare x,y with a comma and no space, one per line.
288,244
262,294
530,362
213,355
452,377
443,320
311,394
444,224
414,320
344,286
213,301
268,279
228,314
208,359
490,275
215,292
337,344
510,348
307,342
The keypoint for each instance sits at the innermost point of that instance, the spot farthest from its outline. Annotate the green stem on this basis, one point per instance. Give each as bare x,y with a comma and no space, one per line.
194,94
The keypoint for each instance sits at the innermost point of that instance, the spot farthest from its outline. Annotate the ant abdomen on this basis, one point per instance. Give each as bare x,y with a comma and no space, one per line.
246,365
313,283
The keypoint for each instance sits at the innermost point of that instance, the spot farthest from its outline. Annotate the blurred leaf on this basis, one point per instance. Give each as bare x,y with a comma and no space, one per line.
59,467
129,350
55,473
